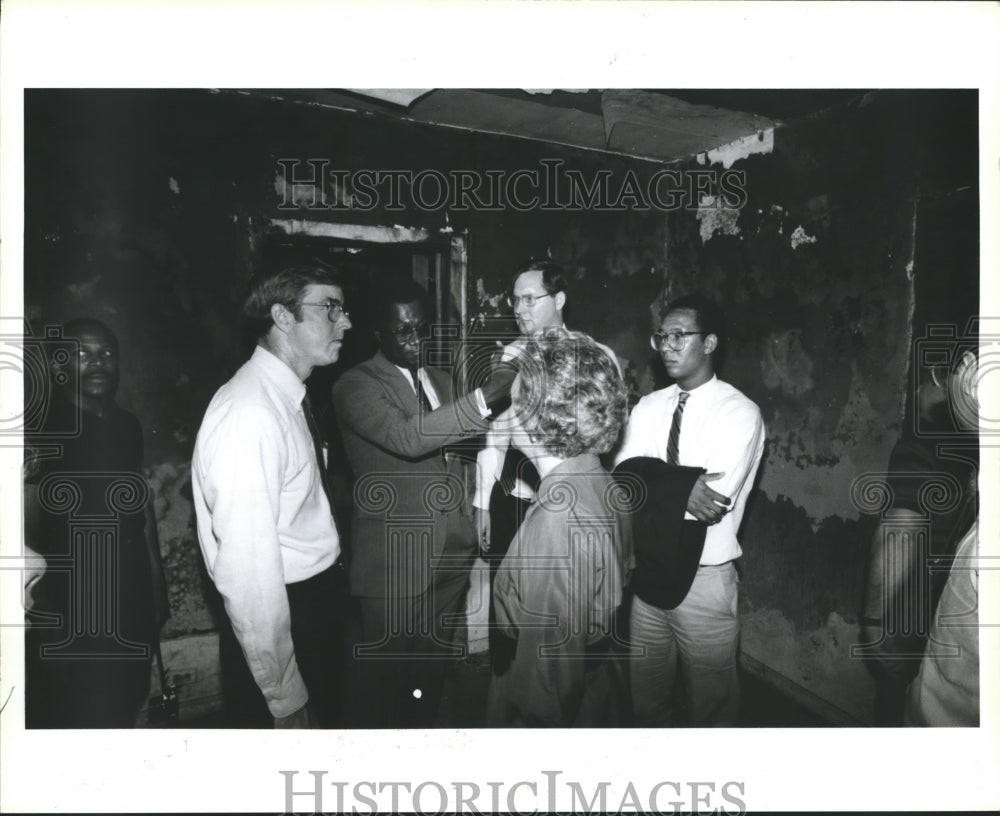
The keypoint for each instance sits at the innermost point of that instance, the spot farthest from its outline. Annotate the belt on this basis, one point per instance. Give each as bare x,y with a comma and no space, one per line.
336,569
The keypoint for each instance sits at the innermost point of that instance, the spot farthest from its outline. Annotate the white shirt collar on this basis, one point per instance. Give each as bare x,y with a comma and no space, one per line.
284,379
704,388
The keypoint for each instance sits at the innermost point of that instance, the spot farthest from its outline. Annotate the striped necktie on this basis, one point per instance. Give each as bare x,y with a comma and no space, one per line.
674,439
422,398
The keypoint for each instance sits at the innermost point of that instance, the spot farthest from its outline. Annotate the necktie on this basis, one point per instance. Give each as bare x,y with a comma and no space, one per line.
425,403
317,448
422,398
517,465
675,429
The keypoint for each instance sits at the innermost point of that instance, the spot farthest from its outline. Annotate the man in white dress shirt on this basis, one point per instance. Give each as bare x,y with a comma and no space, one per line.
506,479
721,430
264,519
539,296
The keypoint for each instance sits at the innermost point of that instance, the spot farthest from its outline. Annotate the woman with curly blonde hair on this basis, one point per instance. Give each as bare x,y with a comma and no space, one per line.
562,579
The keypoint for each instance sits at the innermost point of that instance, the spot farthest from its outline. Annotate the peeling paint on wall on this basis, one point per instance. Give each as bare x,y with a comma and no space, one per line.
785,365
799,237
804,459
637,247
298,193
178,545
713,217
728,154
489,305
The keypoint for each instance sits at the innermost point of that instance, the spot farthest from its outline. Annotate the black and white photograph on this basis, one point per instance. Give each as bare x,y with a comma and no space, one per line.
543,431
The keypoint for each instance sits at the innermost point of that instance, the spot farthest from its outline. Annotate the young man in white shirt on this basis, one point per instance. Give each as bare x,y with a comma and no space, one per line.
265,524
719,429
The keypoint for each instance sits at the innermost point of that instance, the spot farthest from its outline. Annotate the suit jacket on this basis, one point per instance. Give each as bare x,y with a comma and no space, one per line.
407,499
667,547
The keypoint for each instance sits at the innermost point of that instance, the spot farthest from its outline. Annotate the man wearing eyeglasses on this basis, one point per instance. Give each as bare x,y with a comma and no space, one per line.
265,523
506,479
412,541
699,421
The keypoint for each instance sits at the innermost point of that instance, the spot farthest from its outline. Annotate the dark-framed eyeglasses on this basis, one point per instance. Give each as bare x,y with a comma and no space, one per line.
408,331
670,339
528,300
334,309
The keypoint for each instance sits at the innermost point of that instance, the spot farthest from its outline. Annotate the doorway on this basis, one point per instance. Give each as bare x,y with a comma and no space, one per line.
366,257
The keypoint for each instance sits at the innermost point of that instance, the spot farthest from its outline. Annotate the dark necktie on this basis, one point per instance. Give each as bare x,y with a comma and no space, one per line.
516,465
674,439
422,398
317,448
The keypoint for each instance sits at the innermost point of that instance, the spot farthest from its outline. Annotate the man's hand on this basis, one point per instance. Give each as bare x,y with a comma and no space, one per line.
482,518
704,503
297,719
496,390
34,569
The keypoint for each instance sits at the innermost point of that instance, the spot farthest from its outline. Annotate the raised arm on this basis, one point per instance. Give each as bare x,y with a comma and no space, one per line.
365,406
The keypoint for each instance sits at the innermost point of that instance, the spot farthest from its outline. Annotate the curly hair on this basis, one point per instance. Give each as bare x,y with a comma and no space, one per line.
569,397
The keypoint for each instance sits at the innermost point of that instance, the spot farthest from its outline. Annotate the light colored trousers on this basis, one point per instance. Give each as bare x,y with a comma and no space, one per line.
701,635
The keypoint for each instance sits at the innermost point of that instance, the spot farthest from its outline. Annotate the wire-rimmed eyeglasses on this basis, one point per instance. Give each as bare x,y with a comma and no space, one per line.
406,331
528,300
670,339
334,309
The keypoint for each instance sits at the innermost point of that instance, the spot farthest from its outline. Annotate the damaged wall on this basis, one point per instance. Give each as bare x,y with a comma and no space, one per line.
816,274
147,210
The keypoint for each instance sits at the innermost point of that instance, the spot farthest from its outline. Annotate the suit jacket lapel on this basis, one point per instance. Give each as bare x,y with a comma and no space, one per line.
396,381
403,389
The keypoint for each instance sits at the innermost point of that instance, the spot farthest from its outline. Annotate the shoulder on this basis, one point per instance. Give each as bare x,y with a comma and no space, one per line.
128,424
243,404
513,349
655,400
610,352
362,374
733,402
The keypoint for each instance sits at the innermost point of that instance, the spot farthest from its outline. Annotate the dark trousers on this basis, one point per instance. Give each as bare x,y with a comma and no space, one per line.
319,613
402,647
88,691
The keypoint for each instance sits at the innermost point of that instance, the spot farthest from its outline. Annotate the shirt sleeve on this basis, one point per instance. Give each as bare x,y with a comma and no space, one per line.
736,447
246,459
489,462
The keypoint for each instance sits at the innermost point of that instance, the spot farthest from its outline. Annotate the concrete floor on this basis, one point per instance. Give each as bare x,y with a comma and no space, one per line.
463,703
